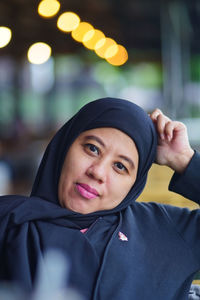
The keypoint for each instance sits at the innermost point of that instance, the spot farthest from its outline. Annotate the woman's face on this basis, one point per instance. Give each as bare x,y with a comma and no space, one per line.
99,170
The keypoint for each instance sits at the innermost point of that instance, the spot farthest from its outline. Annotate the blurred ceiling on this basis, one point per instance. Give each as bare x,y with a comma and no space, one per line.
136,24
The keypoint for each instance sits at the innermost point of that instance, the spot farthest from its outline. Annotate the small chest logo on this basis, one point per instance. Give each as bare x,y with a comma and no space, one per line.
122,237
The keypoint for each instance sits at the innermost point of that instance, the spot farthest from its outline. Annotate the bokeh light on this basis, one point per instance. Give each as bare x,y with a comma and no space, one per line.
68,21
39,53
111,51
119,58
79,33
5,36
48,8
103,45
91,38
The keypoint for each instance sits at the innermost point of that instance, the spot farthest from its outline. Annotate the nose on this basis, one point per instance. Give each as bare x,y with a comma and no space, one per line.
98,171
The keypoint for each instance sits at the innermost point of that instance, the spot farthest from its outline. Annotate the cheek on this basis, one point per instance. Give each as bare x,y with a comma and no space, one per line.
76,168
122,186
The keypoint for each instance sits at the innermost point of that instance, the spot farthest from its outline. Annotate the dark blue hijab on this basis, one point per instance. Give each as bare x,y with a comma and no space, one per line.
108,112
31,225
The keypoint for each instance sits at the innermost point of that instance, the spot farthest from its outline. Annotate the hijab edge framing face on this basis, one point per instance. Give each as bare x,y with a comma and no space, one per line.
106,112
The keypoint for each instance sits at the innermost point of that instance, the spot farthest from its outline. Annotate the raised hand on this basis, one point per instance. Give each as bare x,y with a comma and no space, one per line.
173,148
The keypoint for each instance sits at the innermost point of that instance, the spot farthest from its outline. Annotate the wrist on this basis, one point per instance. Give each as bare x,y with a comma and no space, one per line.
181,160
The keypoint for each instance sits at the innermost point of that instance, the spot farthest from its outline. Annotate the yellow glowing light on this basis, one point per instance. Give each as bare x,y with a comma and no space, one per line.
5,36
100,43
91,38
111,51
119,58
82,29
48,8
103,46
68,21
88,35
39,53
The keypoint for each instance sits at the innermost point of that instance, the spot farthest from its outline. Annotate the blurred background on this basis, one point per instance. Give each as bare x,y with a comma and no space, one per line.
55,56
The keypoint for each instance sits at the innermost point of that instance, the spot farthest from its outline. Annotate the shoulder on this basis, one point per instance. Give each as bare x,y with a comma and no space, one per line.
148,207
145,212
153,216
156,210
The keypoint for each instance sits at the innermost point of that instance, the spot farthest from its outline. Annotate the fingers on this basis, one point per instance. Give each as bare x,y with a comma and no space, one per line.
173,127
161,123
165,127
155,114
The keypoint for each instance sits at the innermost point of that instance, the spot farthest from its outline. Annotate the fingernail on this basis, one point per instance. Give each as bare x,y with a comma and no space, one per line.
169,137
162,136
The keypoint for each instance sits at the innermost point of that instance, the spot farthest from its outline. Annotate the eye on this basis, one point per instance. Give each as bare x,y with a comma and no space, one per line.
121,167
92,148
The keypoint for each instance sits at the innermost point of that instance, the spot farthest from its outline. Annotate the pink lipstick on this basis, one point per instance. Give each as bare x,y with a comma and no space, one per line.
86,191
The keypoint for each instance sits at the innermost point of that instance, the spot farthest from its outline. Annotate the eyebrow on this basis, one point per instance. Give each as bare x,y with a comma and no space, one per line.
98,140
127,159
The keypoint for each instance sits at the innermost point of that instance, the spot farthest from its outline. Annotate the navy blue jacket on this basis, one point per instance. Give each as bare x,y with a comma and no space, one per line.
135,251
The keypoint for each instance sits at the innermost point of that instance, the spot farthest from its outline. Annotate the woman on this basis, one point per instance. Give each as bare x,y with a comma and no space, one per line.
83,203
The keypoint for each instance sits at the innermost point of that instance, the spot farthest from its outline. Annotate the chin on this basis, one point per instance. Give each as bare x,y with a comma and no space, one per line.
84,211
80,208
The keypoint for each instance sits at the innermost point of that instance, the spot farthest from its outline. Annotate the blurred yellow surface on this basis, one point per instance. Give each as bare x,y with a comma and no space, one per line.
196,281
156,189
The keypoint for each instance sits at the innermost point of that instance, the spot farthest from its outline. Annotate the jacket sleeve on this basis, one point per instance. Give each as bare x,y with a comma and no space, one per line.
186,221
187,184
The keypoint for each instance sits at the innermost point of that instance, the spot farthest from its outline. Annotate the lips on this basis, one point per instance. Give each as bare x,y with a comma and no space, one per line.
86,191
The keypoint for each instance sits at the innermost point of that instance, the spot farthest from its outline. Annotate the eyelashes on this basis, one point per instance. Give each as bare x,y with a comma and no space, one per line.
95,151
92,148
120,166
